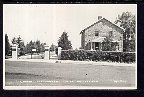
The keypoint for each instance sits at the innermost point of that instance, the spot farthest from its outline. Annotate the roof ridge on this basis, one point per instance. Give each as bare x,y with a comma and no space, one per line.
99,21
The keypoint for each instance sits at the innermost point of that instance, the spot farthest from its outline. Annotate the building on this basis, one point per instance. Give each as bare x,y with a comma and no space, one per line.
94,36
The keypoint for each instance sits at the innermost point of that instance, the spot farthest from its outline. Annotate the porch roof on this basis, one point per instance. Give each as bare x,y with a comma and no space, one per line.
100,39
115,40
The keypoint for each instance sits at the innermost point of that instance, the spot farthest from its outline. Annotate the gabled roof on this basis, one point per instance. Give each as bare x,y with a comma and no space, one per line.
101,21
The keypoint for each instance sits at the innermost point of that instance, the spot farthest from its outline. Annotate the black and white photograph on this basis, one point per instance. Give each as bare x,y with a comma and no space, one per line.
69,46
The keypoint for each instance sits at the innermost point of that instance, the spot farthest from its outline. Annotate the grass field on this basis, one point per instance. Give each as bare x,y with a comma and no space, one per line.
20,73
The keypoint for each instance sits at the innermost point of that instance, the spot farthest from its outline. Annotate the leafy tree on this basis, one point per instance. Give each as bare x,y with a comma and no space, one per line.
63,42
7,45
22,48
42,48
38,46
127,21
30,46
35,45
106,44
27,48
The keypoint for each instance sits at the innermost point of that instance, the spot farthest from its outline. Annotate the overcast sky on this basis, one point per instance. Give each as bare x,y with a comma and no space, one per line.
46,22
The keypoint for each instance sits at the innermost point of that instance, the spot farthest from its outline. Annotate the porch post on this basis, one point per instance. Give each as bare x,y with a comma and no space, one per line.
91,46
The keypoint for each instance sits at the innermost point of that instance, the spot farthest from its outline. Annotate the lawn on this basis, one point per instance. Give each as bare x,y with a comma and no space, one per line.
22,73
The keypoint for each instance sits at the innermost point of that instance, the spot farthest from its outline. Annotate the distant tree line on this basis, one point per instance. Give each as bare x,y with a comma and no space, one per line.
25,49
35,45
22,48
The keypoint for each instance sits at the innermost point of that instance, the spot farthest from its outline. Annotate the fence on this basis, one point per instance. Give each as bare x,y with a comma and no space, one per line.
82,55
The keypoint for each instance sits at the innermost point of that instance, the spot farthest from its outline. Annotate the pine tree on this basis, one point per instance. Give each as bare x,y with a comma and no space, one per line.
7,45
63,42
52,47
14,41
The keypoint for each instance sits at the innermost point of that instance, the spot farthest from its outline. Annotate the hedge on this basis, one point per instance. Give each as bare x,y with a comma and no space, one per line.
126,57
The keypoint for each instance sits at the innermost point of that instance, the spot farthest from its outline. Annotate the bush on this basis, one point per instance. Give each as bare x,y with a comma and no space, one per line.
126,57
56,50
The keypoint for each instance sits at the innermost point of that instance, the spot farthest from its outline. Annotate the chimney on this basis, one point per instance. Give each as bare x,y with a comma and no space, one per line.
99,17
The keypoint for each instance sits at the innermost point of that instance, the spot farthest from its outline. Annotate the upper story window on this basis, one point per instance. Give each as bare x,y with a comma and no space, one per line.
110,33
120,38
96,33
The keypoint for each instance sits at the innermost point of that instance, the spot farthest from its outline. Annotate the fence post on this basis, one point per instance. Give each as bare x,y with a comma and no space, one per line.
14,51
59,52
47,53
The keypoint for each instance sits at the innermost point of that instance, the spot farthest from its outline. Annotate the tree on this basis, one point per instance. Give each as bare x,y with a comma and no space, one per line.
7,45
53,47
127,21
14,41
34,45
63,42
38,46
20,44
31,45
42,48
56,50
106,44
18,41
28,49
22,48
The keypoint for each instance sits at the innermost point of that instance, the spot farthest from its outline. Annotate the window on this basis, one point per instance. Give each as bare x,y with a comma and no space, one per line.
96,33
110,33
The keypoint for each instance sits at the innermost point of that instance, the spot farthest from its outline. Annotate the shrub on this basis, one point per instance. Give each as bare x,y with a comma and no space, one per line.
126,57
56,50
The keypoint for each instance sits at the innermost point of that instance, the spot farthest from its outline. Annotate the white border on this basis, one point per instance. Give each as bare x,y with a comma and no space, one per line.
65,87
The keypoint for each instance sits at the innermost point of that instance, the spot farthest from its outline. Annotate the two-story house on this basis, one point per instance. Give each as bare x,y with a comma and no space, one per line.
93,36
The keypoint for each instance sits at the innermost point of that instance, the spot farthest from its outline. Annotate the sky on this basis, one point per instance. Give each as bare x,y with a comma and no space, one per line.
46,22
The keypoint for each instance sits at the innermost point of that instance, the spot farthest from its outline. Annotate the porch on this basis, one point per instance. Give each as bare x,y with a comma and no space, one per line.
98,44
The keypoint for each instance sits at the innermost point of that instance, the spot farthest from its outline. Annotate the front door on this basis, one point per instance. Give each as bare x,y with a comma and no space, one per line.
96,45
